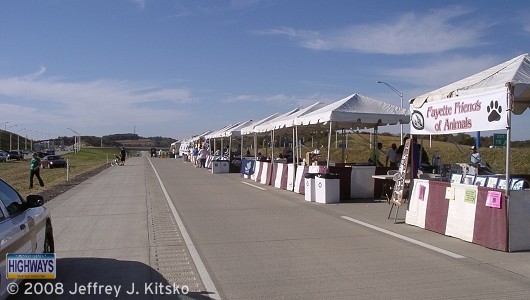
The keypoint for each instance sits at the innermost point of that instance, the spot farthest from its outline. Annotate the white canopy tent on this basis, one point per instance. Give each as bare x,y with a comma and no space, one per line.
220,132
249,129
486,100
236,132
214,135
515,72
287,121
354,111
196,138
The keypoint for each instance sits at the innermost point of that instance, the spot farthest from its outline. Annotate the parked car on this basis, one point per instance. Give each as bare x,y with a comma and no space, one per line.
3,156
15,154
21,221
53,161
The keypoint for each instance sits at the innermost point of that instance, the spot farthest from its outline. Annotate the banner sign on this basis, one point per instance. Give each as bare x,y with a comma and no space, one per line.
247,166
480,112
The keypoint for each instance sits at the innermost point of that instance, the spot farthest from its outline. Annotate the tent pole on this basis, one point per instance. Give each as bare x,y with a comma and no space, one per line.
343,146
255,146
229,147
295,150
293,146
509,96
272,146
329,143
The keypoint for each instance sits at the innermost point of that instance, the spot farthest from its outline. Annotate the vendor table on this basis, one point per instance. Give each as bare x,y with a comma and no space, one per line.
460,210
388,181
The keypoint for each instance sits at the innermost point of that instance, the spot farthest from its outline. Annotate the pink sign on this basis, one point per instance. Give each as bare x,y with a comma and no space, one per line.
494,199
421,192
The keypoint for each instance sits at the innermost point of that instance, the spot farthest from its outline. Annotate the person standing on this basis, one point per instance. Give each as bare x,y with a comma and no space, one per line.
203,154
375,154
34,170
195,155
123,153
391,155
475,158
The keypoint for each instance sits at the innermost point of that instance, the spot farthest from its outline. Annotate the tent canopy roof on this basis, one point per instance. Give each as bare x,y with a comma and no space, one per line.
236,130
250,128
287,119
219,133
515,71
356,111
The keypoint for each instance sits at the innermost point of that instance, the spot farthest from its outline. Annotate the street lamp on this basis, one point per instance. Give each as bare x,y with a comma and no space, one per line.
10,133
18,137
400,93
78,147
5,125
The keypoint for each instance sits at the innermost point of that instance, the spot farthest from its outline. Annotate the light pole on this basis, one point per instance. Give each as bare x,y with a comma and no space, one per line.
5,125
78,147
18,137
10,133
400,93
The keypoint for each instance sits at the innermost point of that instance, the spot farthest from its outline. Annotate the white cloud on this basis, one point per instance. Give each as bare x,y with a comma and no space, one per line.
440,72
139,3
432,32
96,104
281,100
239,4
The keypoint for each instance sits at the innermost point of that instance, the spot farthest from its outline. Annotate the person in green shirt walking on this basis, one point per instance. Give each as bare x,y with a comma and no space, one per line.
34,170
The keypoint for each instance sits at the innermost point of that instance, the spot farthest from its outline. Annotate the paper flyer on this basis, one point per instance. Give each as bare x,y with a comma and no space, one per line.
494,199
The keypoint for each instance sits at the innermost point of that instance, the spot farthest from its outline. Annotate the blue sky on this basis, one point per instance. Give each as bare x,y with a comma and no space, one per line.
179,68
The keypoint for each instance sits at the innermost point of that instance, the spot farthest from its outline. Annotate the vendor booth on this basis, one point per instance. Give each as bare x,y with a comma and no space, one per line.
353,112
492,215
283,170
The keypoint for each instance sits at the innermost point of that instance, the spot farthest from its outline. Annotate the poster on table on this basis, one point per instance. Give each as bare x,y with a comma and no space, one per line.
479,112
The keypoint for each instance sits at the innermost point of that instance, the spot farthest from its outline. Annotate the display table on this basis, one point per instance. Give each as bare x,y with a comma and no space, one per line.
461,211
388,182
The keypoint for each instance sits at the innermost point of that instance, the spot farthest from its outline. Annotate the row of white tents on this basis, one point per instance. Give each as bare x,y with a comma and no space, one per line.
353,112
509,81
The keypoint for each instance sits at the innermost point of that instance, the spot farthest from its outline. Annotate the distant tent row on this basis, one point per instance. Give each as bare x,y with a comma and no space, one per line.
353,112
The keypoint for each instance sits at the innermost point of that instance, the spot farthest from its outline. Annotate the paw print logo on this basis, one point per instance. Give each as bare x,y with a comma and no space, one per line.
494,111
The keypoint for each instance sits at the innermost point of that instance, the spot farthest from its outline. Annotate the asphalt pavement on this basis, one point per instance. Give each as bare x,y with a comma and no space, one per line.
157,223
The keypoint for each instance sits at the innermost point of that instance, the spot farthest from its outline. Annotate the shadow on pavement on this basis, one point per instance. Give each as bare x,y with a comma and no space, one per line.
104,278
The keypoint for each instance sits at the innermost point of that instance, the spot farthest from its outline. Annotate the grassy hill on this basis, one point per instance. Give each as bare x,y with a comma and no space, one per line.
359,150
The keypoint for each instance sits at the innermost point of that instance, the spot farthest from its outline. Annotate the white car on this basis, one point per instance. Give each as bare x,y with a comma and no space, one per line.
25,228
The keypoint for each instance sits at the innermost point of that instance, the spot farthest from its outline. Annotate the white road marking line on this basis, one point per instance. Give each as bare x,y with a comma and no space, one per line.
255,186
203,273
402,237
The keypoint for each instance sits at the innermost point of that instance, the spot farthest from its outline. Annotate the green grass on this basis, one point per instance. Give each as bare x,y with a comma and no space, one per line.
359,150
16,173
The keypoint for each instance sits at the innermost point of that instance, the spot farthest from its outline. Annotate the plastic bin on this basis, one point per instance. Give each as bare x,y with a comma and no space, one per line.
216,167
309,181
225,166
327,188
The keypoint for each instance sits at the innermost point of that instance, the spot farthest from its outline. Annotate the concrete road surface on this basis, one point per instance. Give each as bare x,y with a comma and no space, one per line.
224,237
